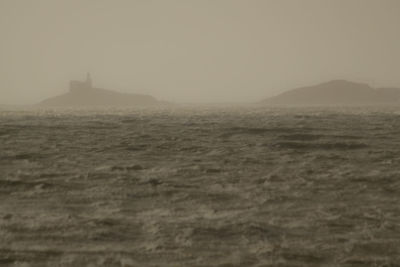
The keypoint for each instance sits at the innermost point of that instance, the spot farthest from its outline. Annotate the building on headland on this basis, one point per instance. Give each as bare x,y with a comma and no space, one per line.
85,94
76,86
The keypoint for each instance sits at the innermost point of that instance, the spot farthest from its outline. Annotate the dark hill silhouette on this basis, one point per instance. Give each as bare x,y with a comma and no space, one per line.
337,92
83,94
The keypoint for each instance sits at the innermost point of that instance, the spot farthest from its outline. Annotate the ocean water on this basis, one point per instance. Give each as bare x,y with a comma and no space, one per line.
200,187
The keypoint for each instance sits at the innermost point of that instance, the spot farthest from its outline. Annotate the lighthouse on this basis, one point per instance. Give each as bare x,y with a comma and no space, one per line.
78,86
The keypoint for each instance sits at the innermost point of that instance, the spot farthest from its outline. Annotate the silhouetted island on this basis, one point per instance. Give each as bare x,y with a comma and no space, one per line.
83,94
337,92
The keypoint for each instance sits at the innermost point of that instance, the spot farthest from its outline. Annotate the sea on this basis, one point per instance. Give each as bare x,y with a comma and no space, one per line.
200,186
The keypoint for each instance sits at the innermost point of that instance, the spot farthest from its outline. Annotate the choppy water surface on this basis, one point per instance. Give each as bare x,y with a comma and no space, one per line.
216,187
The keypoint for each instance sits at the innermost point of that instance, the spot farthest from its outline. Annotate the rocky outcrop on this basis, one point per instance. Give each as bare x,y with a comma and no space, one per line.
337,92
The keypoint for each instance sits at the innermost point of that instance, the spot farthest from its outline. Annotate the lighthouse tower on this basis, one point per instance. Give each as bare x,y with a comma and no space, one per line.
88,80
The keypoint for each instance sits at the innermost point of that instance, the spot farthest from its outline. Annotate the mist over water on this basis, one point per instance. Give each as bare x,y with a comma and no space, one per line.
199,133
195,51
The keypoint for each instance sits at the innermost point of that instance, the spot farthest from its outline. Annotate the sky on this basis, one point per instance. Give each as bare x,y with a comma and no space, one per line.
195,50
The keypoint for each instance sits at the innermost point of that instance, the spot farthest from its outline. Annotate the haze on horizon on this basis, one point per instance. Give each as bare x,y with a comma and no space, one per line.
195,50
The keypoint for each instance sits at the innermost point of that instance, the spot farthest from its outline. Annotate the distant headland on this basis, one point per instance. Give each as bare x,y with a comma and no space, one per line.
83,94
336,93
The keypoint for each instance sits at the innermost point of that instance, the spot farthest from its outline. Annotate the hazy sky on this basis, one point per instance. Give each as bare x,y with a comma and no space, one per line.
195,50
